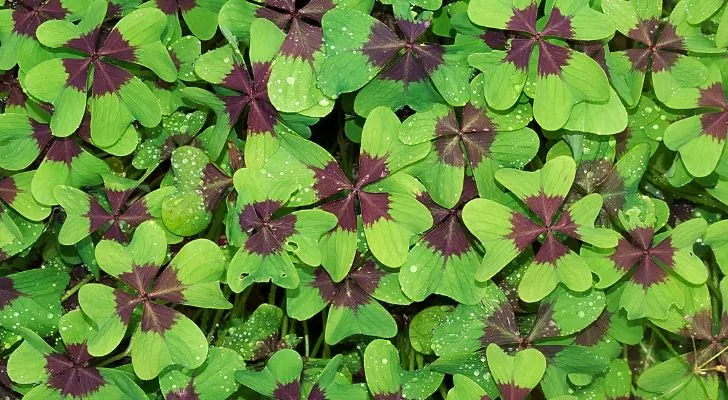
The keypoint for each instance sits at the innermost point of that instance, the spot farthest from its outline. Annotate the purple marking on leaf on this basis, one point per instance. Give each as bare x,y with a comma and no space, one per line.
544,326
186,393
157,318
407,69
86,43
125,305
412,30
648,261
353,291
524,20
551,250
371,169
713,96
71,374
430,56
115,46
645,31
495,39
136,213
77,70
238,78
97,215
315,9
28,15
114,232
316,393
566,225
8,190
267,235
596,331
449,151
512,392
7,291
10,85
303,40
600,176
214,185
383,45
234,107
41,133
108,78
345,212
262,117
329,180
281,20
663,60
501,327
520,52
700,326
669,38
449,237
168,287
288,391
523,231
544,206
170,7
117,198
374,207
715,124
558,25
552,58
140,277
285,5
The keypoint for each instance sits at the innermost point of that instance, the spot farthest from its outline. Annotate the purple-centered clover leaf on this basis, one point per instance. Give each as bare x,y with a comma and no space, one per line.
269,236
445,259
68,372
700,139
295,44
476,138
506,233
18,24
191,278
199,16
114,95
656,262
470,329
564,78
382,193
113,215
354,307
393,68
660,50
283,379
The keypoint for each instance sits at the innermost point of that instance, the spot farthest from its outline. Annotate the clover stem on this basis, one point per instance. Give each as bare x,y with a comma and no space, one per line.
316,345
662,337
272,294
716,355
76,287
305,338
215,324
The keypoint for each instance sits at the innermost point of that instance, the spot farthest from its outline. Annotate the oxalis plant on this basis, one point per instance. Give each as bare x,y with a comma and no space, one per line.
363,199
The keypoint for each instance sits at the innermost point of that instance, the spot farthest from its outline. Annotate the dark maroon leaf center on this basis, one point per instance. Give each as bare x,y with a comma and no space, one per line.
252,97
155,317
650,263
662,45
288,391
475,133
600,176
110,222
552,58
11,89
353,291
170,7
99,47
29,14
71,372
301,20
714,124
449,235
7,291
267,235
402,55
524,231
186,393
331,180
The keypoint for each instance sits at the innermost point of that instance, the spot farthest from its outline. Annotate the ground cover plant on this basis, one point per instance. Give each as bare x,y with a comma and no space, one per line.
363,199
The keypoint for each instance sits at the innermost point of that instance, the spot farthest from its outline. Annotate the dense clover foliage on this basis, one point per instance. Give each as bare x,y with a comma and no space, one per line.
363,199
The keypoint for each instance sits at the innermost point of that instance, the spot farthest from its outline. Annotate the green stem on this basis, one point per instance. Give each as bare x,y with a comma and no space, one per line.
76,287
215,324
272,294
116,358
305,338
